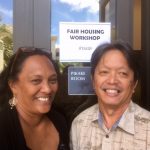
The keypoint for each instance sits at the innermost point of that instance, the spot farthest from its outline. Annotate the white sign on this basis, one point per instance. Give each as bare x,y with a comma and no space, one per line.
78,40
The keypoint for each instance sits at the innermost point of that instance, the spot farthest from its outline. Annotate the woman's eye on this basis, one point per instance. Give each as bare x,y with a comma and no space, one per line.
36,81
53,81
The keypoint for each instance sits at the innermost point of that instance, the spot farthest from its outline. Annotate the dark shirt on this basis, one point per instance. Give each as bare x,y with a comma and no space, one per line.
11,133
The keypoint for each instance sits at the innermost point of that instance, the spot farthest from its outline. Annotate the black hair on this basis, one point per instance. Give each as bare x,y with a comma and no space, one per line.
121,46
14,67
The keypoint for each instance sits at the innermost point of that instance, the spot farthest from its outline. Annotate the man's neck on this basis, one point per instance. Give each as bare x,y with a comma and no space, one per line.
111,115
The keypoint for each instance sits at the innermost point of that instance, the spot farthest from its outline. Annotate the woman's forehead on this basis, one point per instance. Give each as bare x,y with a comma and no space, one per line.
37,62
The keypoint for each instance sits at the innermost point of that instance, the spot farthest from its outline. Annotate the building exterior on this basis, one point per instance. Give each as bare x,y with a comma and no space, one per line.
130,22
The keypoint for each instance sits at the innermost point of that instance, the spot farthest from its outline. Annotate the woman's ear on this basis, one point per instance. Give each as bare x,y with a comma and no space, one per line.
12,86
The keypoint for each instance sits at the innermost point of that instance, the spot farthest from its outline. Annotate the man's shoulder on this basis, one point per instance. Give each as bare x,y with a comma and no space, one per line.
141,113
88,113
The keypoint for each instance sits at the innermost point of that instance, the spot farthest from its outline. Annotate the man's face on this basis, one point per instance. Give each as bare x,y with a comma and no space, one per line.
113,80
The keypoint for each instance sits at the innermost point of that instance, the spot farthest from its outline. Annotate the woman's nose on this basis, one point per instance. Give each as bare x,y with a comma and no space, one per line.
46,88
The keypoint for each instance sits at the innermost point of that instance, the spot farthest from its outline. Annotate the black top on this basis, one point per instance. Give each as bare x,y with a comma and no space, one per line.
11,133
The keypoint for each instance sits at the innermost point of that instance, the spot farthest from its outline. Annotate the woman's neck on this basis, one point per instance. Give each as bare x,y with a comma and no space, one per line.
28,118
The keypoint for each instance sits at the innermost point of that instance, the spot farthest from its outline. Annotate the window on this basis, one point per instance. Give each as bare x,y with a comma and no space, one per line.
6,31
70,11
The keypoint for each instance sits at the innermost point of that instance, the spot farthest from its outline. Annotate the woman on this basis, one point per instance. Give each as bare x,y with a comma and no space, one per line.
27,89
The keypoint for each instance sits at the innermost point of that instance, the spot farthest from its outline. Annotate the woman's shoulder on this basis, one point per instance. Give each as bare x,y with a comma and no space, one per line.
4,114
5,124
57,115
59,121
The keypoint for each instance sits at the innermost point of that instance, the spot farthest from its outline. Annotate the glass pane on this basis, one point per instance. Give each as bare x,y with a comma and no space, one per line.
6,31
108,14
70,11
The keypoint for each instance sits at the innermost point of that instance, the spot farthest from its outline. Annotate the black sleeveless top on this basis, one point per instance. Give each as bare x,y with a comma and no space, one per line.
11,134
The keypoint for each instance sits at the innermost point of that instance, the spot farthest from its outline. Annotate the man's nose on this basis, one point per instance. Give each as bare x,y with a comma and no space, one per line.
112,79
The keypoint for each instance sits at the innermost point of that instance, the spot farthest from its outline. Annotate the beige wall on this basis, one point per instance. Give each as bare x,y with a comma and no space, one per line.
137,25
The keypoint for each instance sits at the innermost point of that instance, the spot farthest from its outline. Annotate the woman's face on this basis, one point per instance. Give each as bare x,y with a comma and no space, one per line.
113,80
36,85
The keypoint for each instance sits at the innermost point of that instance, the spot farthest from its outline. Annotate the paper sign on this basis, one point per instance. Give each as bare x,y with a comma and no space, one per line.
78,40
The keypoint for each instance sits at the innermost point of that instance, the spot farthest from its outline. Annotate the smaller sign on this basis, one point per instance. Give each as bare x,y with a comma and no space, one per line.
79,81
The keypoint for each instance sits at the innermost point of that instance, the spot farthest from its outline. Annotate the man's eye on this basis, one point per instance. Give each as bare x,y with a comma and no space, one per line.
103,72
124,74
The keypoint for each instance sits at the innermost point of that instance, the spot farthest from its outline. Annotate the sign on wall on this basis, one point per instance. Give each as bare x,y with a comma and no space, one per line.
78,40
79,81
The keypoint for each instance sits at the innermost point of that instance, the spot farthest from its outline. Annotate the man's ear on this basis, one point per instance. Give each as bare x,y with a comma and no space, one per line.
92,80
136,83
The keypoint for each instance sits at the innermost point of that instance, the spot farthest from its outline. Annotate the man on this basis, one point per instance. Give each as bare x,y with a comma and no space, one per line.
115,123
